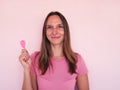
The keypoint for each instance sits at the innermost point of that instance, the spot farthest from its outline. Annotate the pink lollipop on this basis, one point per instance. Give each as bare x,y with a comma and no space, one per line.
22,43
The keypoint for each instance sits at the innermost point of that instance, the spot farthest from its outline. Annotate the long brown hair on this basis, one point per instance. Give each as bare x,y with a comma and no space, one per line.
45,53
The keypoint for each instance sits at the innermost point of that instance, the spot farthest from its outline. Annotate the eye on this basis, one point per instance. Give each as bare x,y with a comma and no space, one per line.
60,26
48,27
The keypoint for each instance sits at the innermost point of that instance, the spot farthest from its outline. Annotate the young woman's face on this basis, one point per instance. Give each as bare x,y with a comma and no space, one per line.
55,30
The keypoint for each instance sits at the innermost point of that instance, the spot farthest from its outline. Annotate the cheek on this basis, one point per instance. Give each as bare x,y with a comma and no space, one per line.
63,35
62,32
48,33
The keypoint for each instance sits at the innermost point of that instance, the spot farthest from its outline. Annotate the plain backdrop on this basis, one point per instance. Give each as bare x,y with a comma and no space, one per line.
95,34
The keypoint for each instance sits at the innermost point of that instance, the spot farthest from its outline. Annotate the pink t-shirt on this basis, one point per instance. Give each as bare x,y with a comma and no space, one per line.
58,77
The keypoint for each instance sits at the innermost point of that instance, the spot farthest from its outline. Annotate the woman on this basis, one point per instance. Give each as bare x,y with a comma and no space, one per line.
56,66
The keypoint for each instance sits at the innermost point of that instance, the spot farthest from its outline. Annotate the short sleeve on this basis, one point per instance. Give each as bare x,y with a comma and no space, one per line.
81,66
33,58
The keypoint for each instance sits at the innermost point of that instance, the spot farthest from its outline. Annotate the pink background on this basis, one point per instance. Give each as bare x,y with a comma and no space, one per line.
95,33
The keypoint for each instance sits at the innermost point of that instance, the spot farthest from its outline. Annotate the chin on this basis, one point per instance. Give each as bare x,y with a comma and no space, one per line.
56,43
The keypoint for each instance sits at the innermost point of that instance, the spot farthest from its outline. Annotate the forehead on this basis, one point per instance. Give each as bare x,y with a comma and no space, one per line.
55,19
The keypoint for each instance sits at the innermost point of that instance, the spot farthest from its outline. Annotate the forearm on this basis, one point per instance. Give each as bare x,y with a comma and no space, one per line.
27,84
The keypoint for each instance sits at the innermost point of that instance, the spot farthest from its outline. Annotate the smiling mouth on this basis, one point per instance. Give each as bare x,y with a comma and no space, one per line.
56,37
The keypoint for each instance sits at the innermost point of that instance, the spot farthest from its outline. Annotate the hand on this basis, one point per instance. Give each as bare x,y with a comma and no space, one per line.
25,59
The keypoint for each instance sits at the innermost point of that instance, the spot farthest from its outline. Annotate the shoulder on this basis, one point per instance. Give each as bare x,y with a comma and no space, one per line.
79,57
35,52
34,56
81,65
34,62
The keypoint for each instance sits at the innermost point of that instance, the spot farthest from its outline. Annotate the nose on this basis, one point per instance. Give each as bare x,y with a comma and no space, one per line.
54,31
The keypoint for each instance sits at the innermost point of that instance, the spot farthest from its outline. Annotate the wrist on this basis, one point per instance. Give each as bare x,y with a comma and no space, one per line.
26,70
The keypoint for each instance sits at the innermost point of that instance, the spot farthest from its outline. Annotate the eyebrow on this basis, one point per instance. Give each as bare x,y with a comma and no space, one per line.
57,24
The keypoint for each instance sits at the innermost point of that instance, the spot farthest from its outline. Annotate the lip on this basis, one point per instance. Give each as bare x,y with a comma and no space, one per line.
55,37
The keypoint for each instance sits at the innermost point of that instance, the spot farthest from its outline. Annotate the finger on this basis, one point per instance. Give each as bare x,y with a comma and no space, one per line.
24,51
23,58
29,61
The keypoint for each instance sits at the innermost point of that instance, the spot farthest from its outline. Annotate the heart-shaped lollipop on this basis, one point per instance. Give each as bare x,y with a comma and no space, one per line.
23,43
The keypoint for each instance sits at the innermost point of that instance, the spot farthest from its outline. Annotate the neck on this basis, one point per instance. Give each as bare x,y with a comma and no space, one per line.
57,51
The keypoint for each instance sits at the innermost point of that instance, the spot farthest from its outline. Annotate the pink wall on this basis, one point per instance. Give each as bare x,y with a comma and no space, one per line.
95,33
